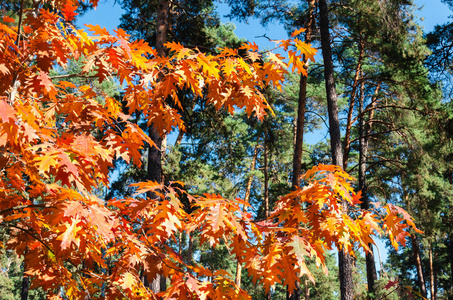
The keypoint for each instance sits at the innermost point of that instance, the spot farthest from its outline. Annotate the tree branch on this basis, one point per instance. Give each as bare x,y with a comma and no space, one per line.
4,211
72,75
19,25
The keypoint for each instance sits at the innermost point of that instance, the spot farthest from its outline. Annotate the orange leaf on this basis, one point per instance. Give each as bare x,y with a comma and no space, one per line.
98,30
70,235
45,81
6,112
297,32
68,11
8,19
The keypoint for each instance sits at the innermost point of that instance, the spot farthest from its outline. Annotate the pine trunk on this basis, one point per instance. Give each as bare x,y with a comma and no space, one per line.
432,282
363,150
162,26
300,123
266,181
248,189
25,287
344,259
266,192
25,283
347,138
418,265
450,238
296,293
154,154
451,260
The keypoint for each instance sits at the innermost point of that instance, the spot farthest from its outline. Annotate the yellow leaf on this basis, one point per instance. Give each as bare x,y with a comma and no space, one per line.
128,281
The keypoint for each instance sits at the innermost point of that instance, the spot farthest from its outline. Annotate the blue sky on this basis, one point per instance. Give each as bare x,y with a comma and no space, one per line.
108,14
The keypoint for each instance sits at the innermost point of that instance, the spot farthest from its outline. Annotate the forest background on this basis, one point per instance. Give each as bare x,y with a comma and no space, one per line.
430,13
259,170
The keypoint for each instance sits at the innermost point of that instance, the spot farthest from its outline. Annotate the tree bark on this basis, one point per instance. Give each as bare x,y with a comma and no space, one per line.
450,238
154,154
266,192
162,26
246,199
432,282
344,259
179,138
25,282
155,157
363,150
266,181
347,138
451,259
300,123
307,290
25,286
418,265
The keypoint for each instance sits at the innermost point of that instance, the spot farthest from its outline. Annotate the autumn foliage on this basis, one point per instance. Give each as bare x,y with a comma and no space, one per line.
59,141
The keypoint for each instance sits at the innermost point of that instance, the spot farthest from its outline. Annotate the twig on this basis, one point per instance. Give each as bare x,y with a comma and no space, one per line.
72,75
4,211
33,236
386,295
150,247
19,25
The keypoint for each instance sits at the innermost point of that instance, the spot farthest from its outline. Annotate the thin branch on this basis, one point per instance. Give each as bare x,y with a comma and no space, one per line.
394,106
4,211
386,295
151,248
207,49
32,235
72,75
321,117
378,134
19,25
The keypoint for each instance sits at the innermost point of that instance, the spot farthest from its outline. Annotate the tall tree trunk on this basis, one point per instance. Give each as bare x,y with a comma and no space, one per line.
154,154
368,126
25,285
162,26
266,191
363,150
418,265
435,278
266,181
16,84
246,199
347,137
344,259
163,154
450,236
451,260
432,282
300,124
